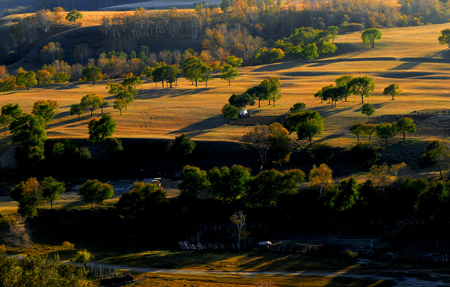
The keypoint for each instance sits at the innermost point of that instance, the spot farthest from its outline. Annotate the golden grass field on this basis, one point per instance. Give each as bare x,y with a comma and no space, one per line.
411,57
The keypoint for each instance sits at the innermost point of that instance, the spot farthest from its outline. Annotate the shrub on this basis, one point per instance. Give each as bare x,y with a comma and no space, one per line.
365,153
321,153
114,145
182,146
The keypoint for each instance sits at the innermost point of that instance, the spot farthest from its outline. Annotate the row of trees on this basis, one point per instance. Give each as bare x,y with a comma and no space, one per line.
384,131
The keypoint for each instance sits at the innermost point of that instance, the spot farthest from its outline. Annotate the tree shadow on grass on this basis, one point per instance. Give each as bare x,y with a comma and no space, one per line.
376,106
73,120
171,92
202,127
326,111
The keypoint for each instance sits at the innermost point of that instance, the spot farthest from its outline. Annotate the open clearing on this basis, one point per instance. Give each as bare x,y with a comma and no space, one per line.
416,62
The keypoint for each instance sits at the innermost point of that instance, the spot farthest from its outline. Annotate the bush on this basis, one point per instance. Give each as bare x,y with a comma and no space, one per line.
182,146
321,153
365,153
350,255
114,145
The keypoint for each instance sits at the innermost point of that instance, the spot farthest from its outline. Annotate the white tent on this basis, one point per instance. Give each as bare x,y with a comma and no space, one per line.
243,113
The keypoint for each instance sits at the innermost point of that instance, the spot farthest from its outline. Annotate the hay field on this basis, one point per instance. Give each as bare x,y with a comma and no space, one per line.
411,57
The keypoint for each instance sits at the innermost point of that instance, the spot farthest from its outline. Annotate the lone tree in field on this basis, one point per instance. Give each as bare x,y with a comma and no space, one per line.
76,109
73,16
386,131
445,37
26,79
92,73
392,89
368,110
120,104
361,86
371,36
101,129
182,146
51,189
228,73
406,125
83,257
91,102
229,112
94,191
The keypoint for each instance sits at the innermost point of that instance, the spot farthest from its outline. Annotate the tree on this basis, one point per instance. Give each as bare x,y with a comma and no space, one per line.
12,110
101,129
29,132
46,109
406,125
234,61
239,223
73,16
52,52
142,198
343,81
365,153
321,153
333,32
369,130
371,36
444,38
258,92
228,73
91,102
335,94
437,154
51,189
361,86
103,104
9,84
172,73
386,131
5,121
432,203
343,196
258,139
206,75
280,143
392,89
225,5
182,146
230,112
321,176
297,107
83,256
120,104
306,124
368,110
44,77
28,194
93,74
130,84
63,77
93,191
76,109
194,180
241,100
229,184
268,185
273,88
357,129
193,69
26,79
319,94
59,14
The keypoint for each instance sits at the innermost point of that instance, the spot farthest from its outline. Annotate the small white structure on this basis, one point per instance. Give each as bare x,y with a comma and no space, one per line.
243,113
265,243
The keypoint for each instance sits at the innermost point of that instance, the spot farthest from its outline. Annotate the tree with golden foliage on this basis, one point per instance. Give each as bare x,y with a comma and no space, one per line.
321,176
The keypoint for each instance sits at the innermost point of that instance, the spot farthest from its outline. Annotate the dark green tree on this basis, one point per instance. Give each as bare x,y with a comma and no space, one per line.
386,131
306,124
28,194
406,125
357,129
361,86
76,109
229,184
194,180
368,110
437,154
26,79
73,16
230,112
51,189
241,100
46,109
228,73
193,69
371,36
101,129
343,196
297,107
392,89
12,110
92,74
93,191
182,146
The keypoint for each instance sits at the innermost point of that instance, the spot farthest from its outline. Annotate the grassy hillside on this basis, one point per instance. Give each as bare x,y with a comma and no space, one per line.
411,57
